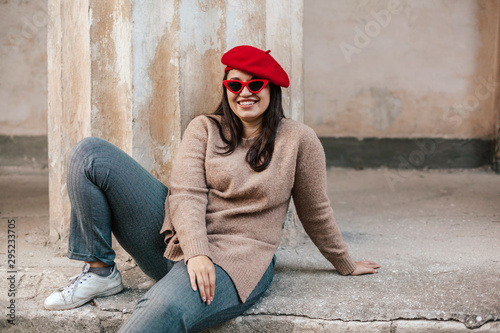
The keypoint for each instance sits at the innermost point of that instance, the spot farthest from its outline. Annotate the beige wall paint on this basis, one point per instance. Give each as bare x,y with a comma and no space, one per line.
427,73
111,66
136,72
400,68
23,67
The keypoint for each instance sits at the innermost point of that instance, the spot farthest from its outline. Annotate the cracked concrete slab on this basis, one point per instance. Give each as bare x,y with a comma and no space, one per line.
435,233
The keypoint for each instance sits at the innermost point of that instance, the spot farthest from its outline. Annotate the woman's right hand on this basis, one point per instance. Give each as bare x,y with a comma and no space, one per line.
201,272
365,267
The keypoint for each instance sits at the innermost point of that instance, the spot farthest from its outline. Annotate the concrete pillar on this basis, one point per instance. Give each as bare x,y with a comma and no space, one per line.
68,56
136,72
111,71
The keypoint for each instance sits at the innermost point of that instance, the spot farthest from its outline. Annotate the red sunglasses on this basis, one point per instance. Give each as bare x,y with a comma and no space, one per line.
254,86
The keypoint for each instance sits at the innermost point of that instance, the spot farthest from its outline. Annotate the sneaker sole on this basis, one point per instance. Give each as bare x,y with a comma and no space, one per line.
109,292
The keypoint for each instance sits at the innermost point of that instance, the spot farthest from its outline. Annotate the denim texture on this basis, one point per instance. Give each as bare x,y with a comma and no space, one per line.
172,306
110,193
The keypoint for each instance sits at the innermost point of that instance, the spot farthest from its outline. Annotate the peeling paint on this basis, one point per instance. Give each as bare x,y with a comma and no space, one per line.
247,23
200,50
69,99
154,23
163,108
202,21
122,27
141,70
111,72
279,39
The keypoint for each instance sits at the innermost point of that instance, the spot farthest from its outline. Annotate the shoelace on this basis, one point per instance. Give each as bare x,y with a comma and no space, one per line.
74,280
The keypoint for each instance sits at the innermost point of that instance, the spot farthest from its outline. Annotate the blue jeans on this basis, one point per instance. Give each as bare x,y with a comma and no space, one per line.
109,193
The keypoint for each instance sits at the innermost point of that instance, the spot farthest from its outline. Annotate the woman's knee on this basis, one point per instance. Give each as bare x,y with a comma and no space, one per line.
83,148
88,150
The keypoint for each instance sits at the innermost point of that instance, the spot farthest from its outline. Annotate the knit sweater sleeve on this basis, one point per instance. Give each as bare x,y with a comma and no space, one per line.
313,206
188,191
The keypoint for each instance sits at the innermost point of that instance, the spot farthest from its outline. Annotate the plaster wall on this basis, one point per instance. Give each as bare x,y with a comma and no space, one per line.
401,68
155,109
23,67
69,97
424,74
176,50
136,72
111,76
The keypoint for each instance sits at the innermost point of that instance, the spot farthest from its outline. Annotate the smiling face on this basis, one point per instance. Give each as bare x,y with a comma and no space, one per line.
247,106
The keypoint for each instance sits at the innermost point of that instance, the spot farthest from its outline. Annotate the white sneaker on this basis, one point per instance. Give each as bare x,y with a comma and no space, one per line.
83,288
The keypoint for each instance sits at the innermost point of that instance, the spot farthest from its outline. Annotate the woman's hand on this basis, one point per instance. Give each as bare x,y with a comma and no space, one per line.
365,267
201,272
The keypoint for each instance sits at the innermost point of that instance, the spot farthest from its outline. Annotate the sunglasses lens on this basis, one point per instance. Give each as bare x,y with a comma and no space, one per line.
255,85
234,86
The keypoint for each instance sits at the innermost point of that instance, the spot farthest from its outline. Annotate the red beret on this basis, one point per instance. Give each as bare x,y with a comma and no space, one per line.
256,62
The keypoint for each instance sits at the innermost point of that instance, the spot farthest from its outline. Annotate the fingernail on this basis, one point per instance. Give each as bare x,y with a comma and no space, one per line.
208,302
204,299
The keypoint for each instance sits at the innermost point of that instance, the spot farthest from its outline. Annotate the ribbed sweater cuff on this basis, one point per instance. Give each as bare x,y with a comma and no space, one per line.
344,265
195,247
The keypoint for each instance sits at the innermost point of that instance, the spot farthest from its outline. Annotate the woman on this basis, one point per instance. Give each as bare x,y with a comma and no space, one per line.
234,175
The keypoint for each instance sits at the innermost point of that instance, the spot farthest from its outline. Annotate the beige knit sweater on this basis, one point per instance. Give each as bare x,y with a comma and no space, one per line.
219,207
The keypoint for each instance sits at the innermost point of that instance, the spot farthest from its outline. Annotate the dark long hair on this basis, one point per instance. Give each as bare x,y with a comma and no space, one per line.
260,153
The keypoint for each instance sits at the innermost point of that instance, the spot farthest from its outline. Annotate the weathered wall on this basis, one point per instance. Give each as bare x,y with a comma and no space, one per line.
401,68
136,72
69,117
23,67
176,48
111,71
423,74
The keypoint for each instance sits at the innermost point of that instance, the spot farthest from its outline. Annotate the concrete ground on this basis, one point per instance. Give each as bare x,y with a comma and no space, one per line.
435,233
